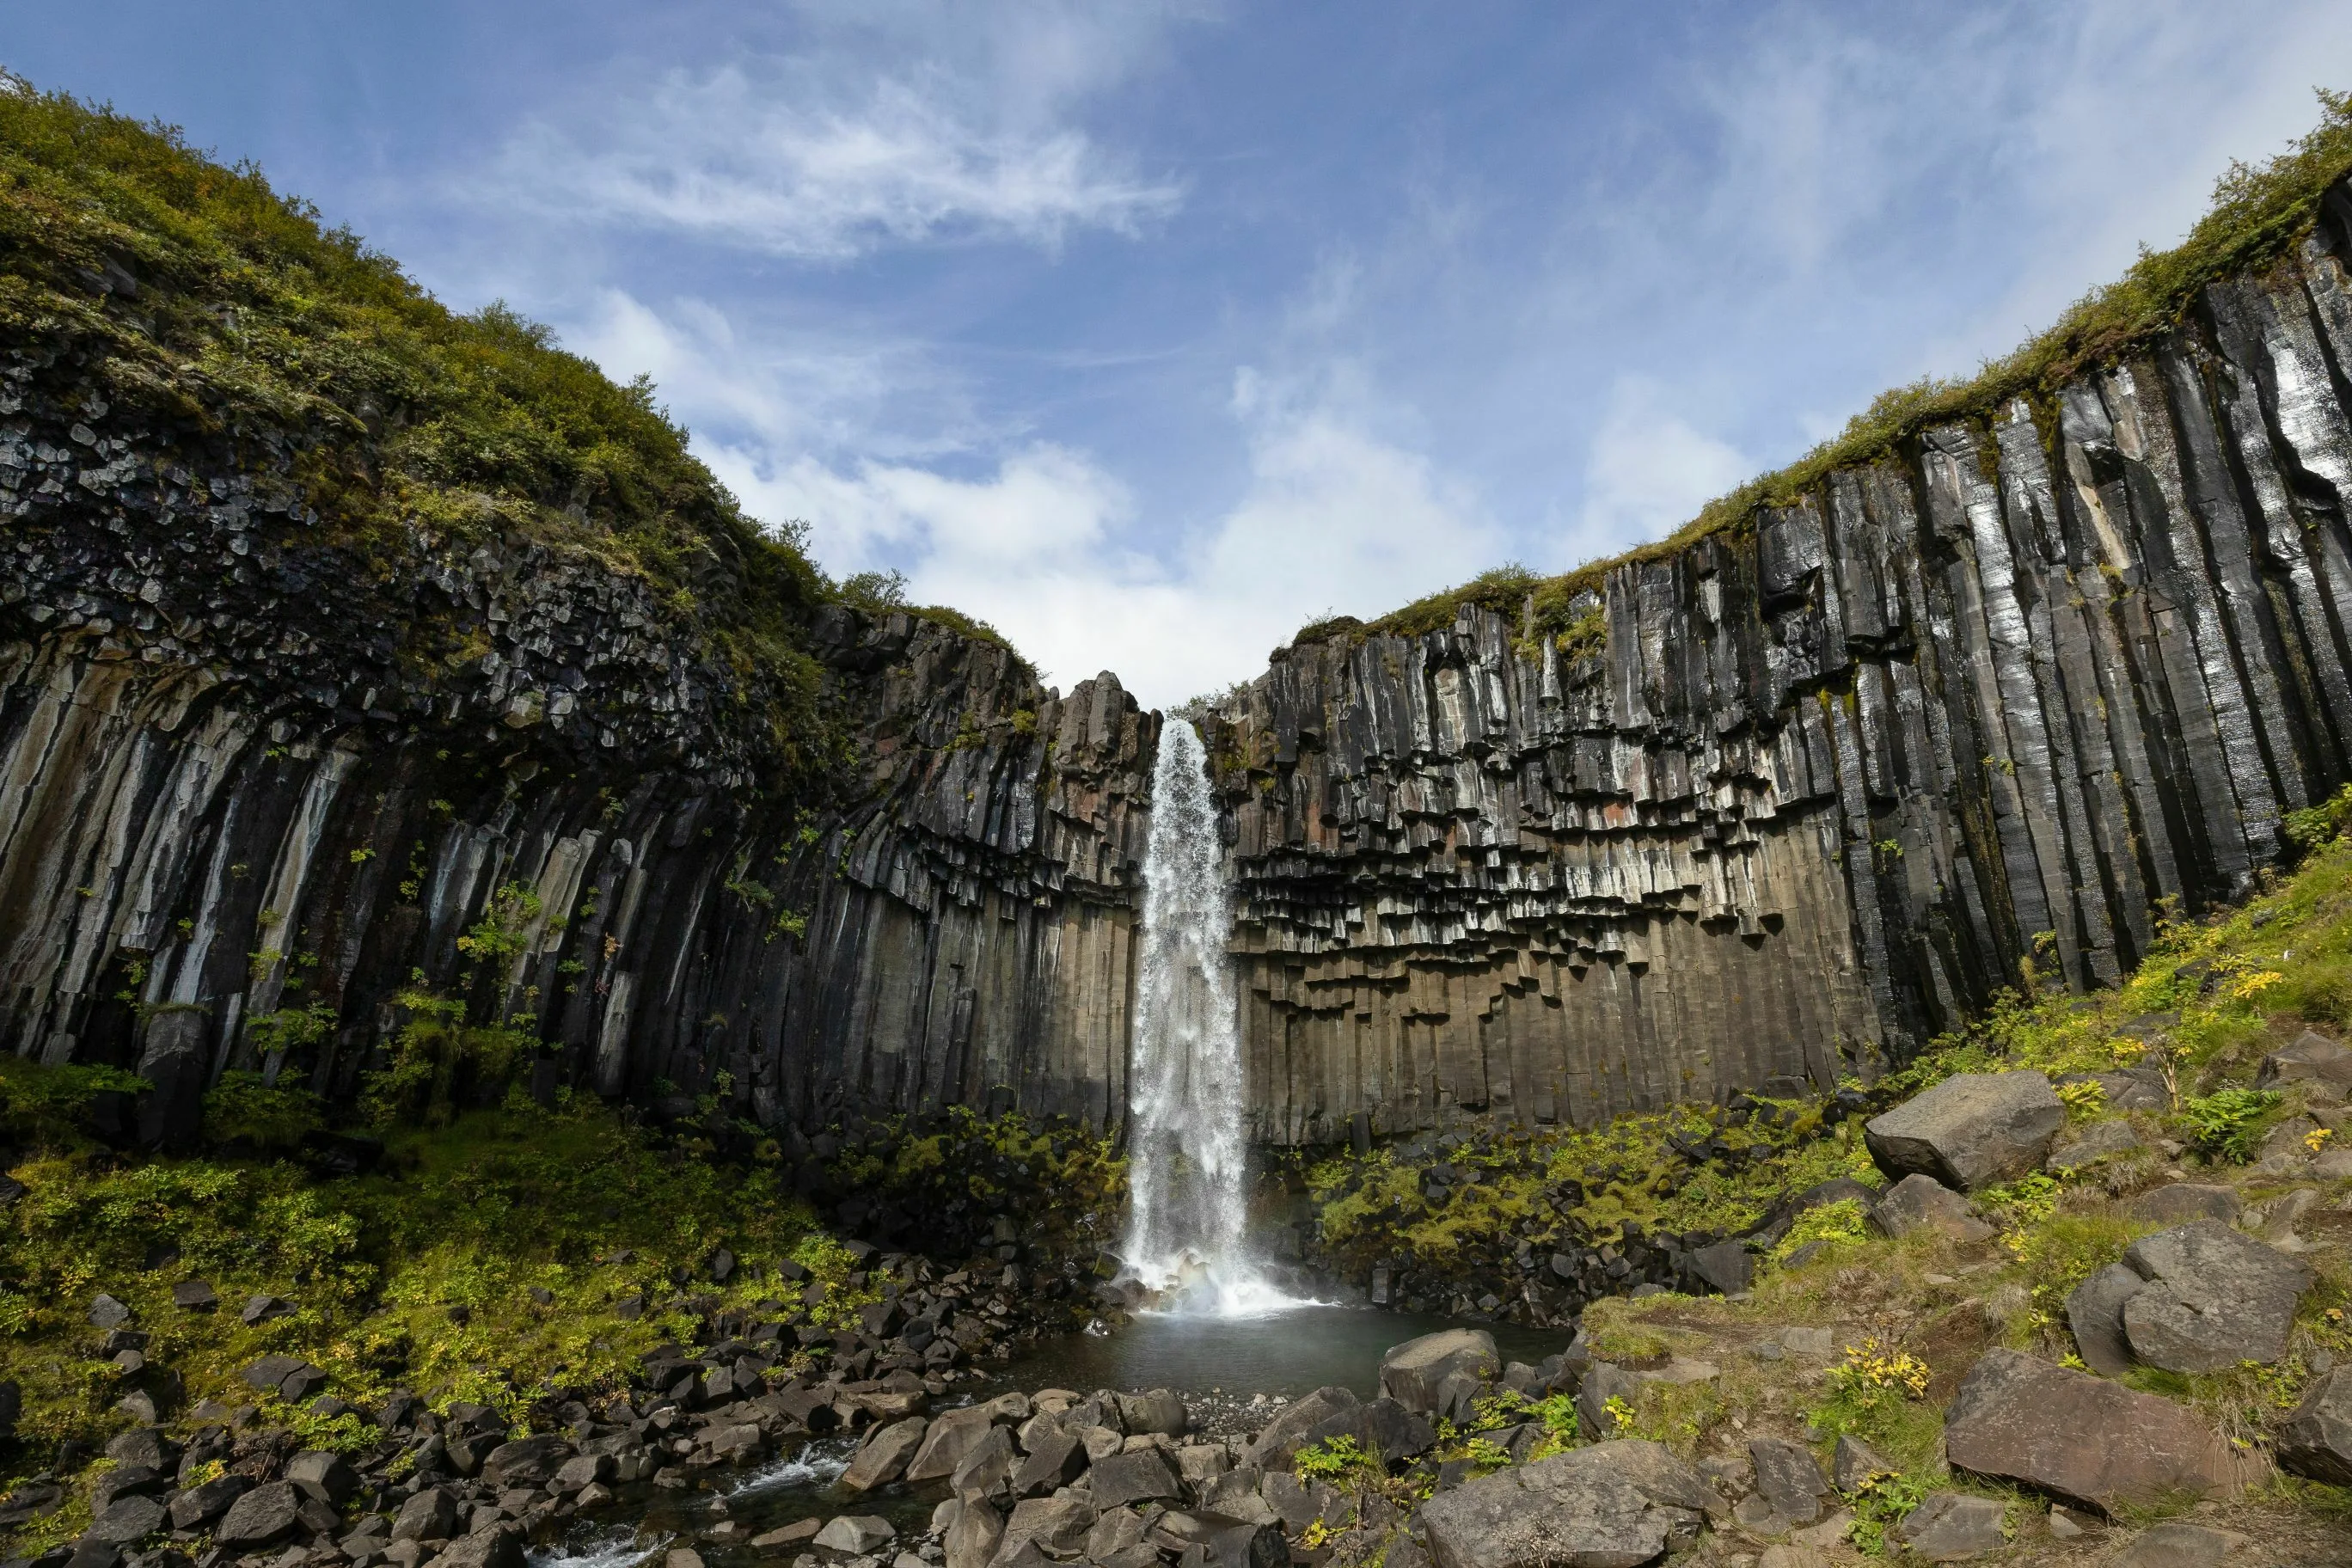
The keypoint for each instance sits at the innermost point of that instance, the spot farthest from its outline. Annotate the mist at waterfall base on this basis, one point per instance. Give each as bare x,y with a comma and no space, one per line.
1188,1148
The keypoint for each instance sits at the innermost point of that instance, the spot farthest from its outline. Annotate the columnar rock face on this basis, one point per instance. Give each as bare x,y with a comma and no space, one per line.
245,771
1835,778
1786,802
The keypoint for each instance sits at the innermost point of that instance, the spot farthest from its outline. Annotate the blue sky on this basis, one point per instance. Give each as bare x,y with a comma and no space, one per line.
1149,332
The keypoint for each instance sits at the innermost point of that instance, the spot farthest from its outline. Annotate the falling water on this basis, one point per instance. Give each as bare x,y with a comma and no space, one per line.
1186,1152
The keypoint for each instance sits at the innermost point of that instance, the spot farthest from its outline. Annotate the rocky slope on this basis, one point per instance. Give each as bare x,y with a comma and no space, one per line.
1787,802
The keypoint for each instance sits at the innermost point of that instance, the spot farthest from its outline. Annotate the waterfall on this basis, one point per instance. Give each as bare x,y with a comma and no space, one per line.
1187,1146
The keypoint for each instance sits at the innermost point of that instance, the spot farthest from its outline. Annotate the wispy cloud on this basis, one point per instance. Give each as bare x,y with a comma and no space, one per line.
744,155
1649,470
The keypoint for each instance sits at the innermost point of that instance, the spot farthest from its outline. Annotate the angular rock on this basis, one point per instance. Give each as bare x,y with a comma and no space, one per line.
1115,1529
853,1534
2316,1439
1159,1411
2099,1141
322,1476
428,1515
2017,1417
1971,1131
199,1504
2312,1057
581,1471
2215,1296
885,1454
1788,1478
499,1546
987,1466
263,1515
1395,1433
263,1308
2095,1312
972,1538
128,1519
1725,1266
1052,1524
1141,1476
526,1462
1055,1459
1601,1383
1923,1203
2184,1201
1854,1462
1413,1373
1612,1505
105,1313
951,1435
195,1296
1952,1527
1222,1540
145,1445
1327,1413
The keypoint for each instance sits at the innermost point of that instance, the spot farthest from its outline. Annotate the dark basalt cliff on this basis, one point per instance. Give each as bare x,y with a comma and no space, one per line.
1837,775
1785,801
244,770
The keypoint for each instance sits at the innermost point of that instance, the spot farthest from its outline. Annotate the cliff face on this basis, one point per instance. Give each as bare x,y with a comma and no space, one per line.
328,681
1835,778
246,769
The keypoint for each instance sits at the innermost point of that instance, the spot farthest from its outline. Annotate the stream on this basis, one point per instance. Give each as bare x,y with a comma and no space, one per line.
1225,1361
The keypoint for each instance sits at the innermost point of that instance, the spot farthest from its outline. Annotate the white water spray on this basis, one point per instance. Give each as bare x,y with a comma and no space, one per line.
1188,1153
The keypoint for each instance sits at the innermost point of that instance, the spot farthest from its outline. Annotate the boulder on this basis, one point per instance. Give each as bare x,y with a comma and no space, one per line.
1854,1462
1223,1541
987,1466
2316,1439
2312,1057
145,1445
1612,1505
428,1515
1326,1413
2017,1417
2184,1201
1058,1525
1601,1383
1725,1265
1971,1131
1159,1411
853,1534
581,1471
1951,1527
525,1462
195,1296
323,1475
200,1504
1923,1203
1414,1373
952,1434
1055,1459
266,1514
885,1454
972,1537
1141,1476
2099,1141
1395,1432
2094,1310
1788,1478
2177,1544
105,1313
2215,1296
128,1519
498,1546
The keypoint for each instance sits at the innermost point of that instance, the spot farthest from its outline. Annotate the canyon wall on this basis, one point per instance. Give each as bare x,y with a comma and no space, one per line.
248,769
1832,778
1781,805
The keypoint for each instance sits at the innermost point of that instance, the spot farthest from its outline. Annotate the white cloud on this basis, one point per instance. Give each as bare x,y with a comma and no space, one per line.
1649,470
1331,517
886,125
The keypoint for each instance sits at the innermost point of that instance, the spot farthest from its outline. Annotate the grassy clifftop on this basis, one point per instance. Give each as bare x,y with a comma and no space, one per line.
2259,214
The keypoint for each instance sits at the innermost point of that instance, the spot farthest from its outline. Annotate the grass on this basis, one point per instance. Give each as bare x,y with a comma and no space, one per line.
2258,214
